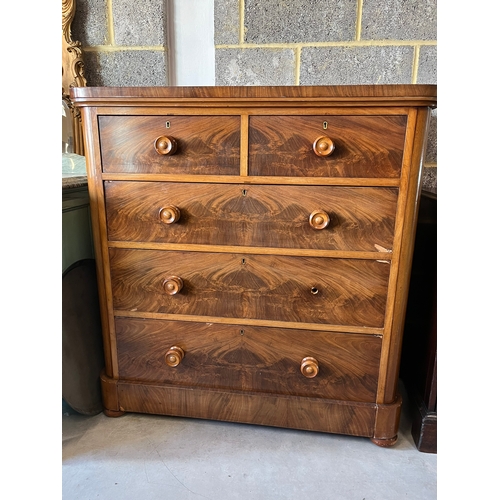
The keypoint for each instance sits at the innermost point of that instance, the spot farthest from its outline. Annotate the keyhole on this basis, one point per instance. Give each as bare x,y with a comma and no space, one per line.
243,261
325,125
167,124
244,192
314,290
242,332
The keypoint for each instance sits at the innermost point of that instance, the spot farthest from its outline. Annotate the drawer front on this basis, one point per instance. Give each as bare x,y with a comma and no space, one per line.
364,146
360,218
204,144
249,358
297,289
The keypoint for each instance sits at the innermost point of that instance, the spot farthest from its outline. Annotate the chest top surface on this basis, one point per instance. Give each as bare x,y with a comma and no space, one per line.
340,95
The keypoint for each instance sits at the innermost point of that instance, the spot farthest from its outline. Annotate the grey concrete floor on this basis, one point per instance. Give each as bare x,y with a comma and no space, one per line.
148,457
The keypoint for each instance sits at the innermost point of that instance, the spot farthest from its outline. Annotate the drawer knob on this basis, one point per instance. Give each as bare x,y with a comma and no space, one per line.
174,356
173,285
165,145
309,367
323,146
170,214
319,219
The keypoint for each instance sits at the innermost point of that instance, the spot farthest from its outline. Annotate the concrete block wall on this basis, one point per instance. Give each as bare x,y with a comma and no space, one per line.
272,42
123,41
305,42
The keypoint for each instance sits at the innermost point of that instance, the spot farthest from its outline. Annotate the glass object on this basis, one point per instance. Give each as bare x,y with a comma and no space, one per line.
67,129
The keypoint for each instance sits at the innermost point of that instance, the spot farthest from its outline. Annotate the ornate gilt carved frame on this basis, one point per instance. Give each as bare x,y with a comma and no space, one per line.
72,70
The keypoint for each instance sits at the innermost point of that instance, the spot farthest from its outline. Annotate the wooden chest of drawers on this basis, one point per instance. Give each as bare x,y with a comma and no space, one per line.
254,249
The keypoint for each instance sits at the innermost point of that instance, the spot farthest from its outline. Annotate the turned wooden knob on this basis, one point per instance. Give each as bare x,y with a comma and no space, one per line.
309,367
165,145
174,356
323,146
173,285
170,214
319,219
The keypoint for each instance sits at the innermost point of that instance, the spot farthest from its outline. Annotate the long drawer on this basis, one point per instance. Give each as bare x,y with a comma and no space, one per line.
327,146
170,144
316,217
270,287
249,358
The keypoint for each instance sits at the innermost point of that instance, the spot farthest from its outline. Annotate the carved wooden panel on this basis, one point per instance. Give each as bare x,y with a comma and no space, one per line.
72,71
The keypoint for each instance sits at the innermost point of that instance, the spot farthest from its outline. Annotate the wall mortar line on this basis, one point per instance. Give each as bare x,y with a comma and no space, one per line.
416,57
298,54
121,48
111,28
242,22
361,43
359,16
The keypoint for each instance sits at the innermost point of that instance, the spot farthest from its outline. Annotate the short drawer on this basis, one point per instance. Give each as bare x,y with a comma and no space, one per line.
248,358
315,217
170,144
268,287
349,146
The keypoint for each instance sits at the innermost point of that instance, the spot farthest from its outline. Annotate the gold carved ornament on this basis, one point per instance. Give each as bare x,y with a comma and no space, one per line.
72,70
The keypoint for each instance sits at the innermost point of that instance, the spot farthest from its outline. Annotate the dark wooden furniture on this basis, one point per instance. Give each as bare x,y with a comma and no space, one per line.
82,357
419,354
254,248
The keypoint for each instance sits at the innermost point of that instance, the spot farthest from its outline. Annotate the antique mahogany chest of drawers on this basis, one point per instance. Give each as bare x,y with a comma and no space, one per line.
254,249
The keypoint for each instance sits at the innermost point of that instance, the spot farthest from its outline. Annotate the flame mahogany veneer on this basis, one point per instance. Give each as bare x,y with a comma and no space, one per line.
254,249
